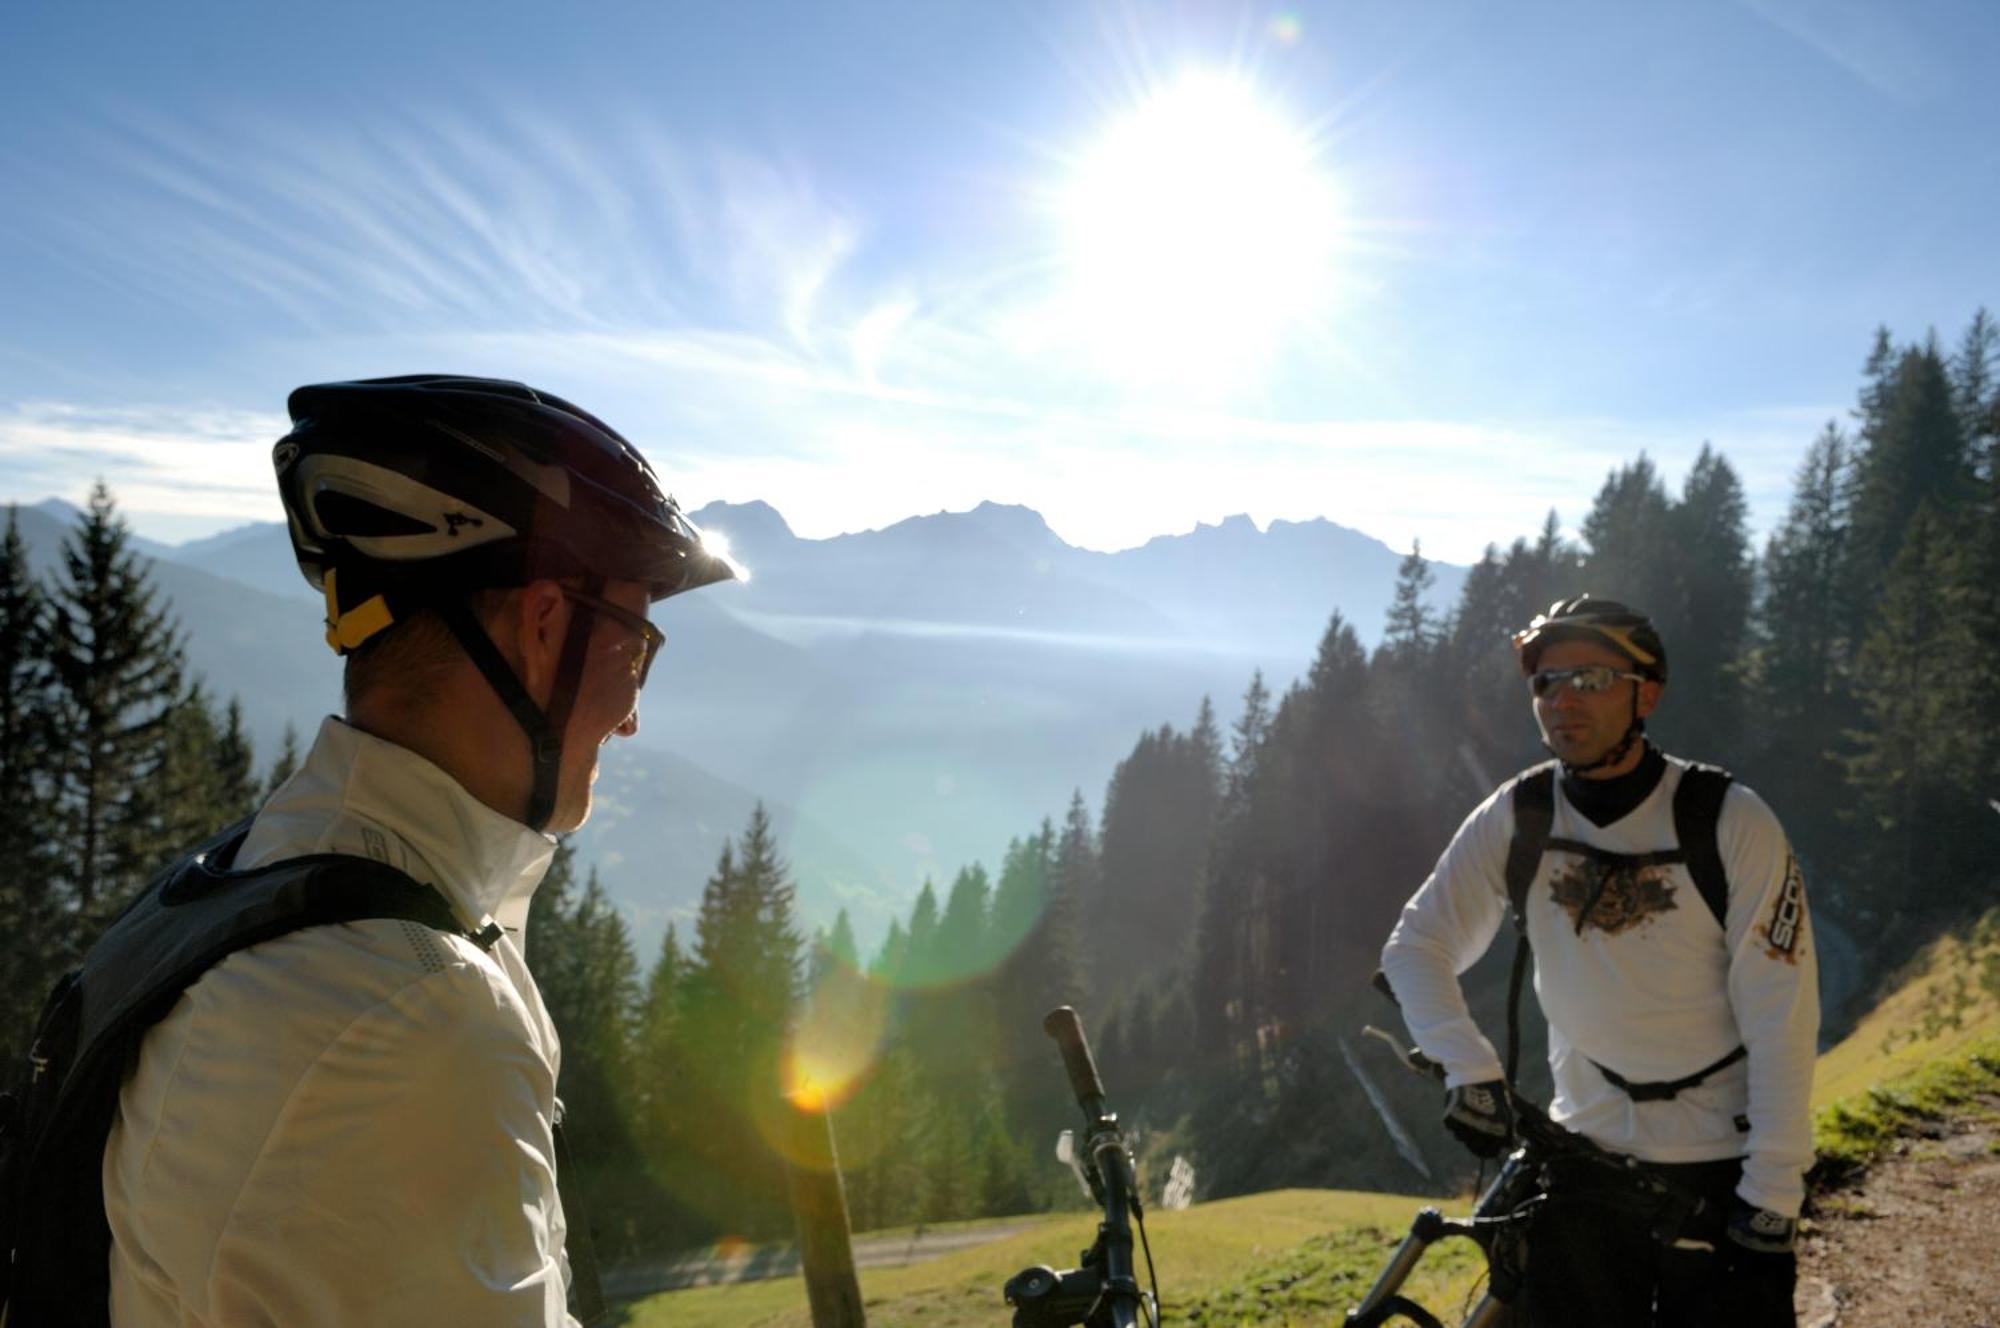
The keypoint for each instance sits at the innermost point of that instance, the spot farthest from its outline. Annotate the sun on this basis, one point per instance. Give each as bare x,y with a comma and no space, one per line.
1200,232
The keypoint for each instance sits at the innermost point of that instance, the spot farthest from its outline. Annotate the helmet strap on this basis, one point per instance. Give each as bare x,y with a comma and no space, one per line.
562,700
544,730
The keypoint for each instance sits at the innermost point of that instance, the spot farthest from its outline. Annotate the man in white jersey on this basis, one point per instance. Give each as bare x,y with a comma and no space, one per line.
1682,1029
353,1124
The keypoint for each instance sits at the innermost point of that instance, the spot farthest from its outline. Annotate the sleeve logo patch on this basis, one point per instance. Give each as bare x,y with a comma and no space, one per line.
1788,916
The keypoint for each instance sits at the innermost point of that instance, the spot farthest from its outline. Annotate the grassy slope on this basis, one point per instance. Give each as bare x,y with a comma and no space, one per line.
1928,1047
1300,1258
1288,1257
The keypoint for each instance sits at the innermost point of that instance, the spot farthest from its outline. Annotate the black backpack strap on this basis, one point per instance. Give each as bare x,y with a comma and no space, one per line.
1669,1088
1534,799
1697,813
1534,803
187,920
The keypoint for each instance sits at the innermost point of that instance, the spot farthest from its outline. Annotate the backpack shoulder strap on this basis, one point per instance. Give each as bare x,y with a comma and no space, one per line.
1533,796
187,920
200,911
1697,812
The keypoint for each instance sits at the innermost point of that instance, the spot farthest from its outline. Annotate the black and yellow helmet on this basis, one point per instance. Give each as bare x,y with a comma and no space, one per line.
402,491
1625,630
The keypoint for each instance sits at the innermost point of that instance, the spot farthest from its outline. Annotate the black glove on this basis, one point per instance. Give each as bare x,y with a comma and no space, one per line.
1480,1116
1758,1265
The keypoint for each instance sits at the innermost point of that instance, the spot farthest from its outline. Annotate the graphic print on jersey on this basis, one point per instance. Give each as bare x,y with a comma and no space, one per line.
1628,897
1788,916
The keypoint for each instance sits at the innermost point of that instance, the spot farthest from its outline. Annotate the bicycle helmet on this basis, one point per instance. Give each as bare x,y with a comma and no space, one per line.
1625,630
412,492
1607,622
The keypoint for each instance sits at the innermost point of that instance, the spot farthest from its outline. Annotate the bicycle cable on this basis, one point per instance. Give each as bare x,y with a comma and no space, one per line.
1153,1310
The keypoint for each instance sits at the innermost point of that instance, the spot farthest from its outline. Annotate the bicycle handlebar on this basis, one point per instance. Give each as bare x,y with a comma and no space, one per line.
1066,1028
1552,1141
1104,1292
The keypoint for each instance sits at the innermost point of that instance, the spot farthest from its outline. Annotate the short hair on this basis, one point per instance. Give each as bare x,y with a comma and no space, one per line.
415,656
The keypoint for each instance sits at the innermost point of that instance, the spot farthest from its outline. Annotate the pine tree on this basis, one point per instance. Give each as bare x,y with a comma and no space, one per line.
893,957
580,952
286,763
1076,879
920,965
235,766
183,801
1916,772
1706,622
1800,667
119,667
1911,452
39,939
1031,928
1974,391
741,990
840,944
1245,738
658,1103
1633,552
1412,627
961,940
1159,810
1019,896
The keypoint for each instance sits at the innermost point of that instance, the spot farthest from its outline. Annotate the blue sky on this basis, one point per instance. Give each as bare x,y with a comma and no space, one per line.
1427,269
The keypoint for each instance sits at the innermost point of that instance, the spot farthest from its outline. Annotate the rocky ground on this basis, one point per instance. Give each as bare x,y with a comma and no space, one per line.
1917,1243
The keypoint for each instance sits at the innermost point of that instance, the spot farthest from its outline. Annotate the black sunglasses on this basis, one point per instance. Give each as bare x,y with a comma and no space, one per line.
631,622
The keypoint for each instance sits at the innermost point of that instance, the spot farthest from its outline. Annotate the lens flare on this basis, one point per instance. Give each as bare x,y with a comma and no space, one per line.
836,1040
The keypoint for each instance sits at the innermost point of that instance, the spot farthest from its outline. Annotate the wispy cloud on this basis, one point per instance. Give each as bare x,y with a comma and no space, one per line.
1876,43
166,461
736,317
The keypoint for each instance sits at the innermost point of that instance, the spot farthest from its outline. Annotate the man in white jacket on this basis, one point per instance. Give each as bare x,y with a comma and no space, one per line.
353,1124
1680,1034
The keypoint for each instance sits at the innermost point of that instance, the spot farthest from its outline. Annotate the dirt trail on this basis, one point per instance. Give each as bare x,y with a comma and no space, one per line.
1915,1244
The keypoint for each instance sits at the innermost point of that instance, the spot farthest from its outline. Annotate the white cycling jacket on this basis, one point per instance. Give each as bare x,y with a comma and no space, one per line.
1652,989
351,1125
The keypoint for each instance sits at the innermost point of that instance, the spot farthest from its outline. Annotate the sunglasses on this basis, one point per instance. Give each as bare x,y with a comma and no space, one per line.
1584,681
654,638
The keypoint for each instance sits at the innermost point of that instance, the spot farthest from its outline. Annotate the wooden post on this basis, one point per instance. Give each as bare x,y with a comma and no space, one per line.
819,1203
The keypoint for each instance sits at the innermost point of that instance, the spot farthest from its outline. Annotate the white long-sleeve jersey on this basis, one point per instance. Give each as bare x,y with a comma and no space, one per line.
1650,988
352,1124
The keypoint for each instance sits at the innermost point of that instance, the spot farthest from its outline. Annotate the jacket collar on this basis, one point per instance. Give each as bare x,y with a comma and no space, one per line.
360,795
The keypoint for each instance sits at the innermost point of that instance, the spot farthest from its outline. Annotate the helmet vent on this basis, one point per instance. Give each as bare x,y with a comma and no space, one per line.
345,514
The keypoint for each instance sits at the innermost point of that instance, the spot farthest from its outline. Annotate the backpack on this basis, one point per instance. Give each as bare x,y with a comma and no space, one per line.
55,1124
1697,812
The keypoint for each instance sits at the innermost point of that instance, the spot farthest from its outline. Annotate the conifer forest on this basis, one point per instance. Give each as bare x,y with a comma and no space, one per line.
1215,911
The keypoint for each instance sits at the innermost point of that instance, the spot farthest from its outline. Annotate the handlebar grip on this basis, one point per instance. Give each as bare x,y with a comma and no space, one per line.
1066,1028
1381,983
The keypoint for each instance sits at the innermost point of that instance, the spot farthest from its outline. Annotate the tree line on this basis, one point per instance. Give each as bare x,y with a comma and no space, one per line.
1218,916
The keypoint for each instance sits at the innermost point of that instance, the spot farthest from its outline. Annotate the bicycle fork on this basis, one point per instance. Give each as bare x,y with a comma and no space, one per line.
1495,1226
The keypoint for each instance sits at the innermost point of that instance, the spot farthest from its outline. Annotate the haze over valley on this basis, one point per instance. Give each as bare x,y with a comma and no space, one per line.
904,700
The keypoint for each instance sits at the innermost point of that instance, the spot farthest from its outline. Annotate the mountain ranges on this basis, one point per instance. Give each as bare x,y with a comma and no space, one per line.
903,700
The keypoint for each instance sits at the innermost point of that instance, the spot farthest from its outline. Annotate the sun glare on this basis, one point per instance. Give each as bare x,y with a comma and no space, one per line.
1201,231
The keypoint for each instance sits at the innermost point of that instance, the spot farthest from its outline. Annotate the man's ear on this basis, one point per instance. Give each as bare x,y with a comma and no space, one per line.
540,623
1649,697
